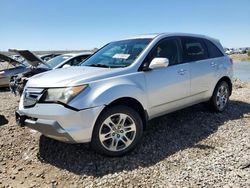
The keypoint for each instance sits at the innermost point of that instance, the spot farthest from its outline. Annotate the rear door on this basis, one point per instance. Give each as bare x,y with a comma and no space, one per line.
202,69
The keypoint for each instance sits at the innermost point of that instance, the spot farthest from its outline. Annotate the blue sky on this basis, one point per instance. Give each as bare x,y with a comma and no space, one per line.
79,24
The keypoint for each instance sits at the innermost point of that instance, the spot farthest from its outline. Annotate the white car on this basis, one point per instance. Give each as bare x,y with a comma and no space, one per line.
228,51
17,82
108,100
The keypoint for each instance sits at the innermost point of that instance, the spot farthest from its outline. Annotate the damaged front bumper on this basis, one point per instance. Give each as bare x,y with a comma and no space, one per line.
17,85
46,127
58,122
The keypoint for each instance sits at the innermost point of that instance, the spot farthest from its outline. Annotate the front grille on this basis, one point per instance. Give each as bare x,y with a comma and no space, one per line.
32,96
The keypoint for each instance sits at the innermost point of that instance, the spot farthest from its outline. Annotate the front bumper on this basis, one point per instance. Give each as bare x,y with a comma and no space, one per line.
60,123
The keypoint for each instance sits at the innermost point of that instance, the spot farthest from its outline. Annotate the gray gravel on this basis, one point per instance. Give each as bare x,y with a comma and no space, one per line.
189,148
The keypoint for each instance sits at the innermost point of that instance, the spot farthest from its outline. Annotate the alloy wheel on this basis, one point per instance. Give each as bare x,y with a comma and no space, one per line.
117,132
222,97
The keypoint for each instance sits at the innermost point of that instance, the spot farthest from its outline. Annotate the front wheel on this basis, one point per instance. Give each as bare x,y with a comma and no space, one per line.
220,97
117,131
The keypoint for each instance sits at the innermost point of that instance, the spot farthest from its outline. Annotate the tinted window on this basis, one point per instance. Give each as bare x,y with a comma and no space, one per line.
194,49
213,50
167,48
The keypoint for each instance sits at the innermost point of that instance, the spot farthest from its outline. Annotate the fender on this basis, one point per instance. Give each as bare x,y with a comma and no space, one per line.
106,91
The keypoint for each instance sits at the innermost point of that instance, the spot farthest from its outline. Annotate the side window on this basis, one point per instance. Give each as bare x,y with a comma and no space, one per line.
76,61
213,50
70,62
167,48
82,58
194,49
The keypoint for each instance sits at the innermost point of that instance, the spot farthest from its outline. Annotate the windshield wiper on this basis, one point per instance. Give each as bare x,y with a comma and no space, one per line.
99,65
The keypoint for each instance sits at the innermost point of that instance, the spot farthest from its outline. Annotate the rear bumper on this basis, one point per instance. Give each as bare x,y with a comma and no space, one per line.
60,123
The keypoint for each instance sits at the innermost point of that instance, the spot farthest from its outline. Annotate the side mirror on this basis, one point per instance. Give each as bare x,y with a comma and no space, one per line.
159,62
65,66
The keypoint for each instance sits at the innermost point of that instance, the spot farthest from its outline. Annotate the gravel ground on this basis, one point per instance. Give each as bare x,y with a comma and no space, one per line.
189,148
240,57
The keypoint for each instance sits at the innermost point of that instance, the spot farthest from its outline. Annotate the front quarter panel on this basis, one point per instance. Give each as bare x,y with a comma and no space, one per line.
105,91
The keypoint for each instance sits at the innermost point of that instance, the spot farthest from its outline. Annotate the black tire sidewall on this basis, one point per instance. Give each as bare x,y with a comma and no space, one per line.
213,99
96,143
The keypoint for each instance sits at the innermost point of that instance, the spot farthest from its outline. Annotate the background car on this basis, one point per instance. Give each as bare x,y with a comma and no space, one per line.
228,51
47,57
10,67
18,82
243,50
17,57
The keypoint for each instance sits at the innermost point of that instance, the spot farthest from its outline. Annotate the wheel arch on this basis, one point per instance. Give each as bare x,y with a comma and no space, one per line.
228,81
132,103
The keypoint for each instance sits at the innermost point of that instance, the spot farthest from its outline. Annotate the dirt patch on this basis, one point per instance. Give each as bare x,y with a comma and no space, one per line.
240,57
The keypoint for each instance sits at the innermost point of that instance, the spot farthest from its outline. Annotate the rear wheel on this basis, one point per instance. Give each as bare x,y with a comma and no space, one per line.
117,131
220,97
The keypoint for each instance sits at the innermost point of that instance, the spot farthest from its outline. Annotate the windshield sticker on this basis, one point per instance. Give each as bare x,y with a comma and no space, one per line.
121,56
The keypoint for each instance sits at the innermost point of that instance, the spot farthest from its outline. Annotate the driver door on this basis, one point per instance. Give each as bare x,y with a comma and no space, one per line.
167,87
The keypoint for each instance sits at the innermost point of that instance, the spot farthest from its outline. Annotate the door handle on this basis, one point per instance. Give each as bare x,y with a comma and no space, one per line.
213,64
182,71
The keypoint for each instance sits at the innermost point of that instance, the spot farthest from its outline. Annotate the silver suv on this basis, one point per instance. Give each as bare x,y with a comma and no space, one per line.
108,100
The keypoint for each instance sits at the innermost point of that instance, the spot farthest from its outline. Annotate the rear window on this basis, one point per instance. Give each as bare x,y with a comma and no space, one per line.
194,49
213,51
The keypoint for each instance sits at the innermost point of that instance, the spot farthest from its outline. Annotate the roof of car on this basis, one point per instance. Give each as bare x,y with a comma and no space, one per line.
145,36
77,54
154,35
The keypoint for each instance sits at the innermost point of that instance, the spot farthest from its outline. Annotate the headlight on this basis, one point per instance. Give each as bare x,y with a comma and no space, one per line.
64,95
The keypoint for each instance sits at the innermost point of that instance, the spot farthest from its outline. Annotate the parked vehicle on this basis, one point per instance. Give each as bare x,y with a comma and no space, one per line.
243,50
18,81
13,67
17,58
47,57
228,51
237,51
108,100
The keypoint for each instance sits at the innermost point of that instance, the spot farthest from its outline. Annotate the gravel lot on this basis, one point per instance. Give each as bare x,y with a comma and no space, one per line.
189,148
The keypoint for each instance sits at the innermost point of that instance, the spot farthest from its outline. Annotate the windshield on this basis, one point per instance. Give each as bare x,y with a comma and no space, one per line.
55,61
117,54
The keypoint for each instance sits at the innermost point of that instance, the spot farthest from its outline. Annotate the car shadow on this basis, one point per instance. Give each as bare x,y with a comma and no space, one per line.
163,137
3,120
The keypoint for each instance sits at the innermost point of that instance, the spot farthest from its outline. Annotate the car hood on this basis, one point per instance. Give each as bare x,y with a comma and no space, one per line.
71,76
31,58
9,60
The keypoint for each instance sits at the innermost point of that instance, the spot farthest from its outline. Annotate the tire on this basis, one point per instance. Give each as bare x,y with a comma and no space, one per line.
220,97
117,131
